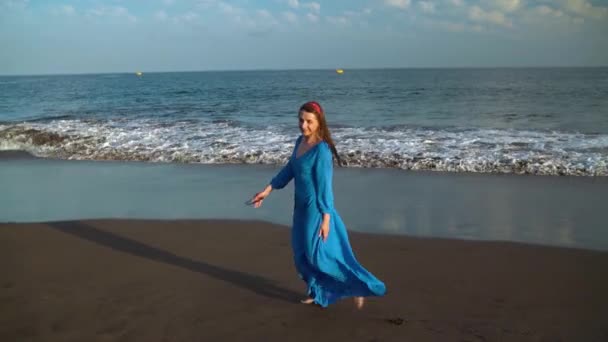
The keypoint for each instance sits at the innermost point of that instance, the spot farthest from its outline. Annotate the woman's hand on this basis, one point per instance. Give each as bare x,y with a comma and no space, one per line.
260,196
324,229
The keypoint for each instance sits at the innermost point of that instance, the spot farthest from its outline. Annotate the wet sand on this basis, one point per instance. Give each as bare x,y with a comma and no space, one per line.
207,280
559,211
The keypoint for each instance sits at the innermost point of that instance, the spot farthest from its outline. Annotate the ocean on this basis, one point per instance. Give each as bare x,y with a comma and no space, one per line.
537,121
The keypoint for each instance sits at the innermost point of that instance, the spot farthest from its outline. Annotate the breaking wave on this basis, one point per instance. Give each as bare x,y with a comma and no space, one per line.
226,141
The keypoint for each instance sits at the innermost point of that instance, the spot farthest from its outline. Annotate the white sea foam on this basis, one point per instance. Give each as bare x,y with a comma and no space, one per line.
190,141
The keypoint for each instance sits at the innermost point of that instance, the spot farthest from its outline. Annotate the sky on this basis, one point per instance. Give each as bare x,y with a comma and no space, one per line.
101,36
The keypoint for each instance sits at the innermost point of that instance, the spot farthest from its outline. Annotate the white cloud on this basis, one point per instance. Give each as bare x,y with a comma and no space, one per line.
68,10
403,4
508,5
586,9
264,13
451,26
188,17
257,22
312,17
550,18
206,4
290,17
427,6
227,8
546,10
314,7
265,18
111,11
237,14
494,17
337,20
13,4
64,10
293,3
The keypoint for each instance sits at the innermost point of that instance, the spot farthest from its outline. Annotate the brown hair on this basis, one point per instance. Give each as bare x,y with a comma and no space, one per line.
315,108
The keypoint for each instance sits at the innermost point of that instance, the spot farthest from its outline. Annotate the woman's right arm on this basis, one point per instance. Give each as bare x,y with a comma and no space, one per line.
286,174
278,182
283,177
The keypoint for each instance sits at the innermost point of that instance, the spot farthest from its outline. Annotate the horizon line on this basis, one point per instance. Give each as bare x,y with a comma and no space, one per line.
303,69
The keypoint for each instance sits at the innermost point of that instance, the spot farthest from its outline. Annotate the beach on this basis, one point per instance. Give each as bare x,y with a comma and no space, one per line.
476,194
177,256
202,280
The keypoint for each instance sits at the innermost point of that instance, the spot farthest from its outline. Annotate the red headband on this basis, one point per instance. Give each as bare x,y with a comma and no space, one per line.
315,106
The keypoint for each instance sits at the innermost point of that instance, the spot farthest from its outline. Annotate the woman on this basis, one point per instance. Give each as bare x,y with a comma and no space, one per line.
321,250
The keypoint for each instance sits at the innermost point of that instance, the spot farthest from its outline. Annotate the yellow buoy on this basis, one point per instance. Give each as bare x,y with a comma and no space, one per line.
339,71
139,73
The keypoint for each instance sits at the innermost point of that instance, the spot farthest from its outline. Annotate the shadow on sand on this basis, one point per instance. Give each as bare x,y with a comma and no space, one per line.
254,283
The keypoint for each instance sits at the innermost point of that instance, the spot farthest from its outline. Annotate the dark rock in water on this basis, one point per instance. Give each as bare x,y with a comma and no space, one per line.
392,163
16,154
44,138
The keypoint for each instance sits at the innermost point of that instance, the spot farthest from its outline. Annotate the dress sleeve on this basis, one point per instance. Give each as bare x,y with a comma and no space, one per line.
286,174
283,177
322,173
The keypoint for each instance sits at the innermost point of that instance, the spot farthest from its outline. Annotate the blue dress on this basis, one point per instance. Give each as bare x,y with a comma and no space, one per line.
328,267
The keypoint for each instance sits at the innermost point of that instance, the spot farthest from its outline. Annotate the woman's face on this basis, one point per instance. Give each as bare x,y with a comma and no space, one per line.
309,125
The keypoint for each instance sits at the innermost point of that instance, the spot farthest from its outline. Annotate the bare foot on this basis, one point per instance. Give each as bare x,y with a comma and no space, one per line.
307,301
359,302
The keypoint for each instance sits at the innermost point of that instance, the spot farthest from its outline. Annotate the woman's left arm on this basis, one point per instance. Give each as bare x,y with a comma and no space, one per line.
322,173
